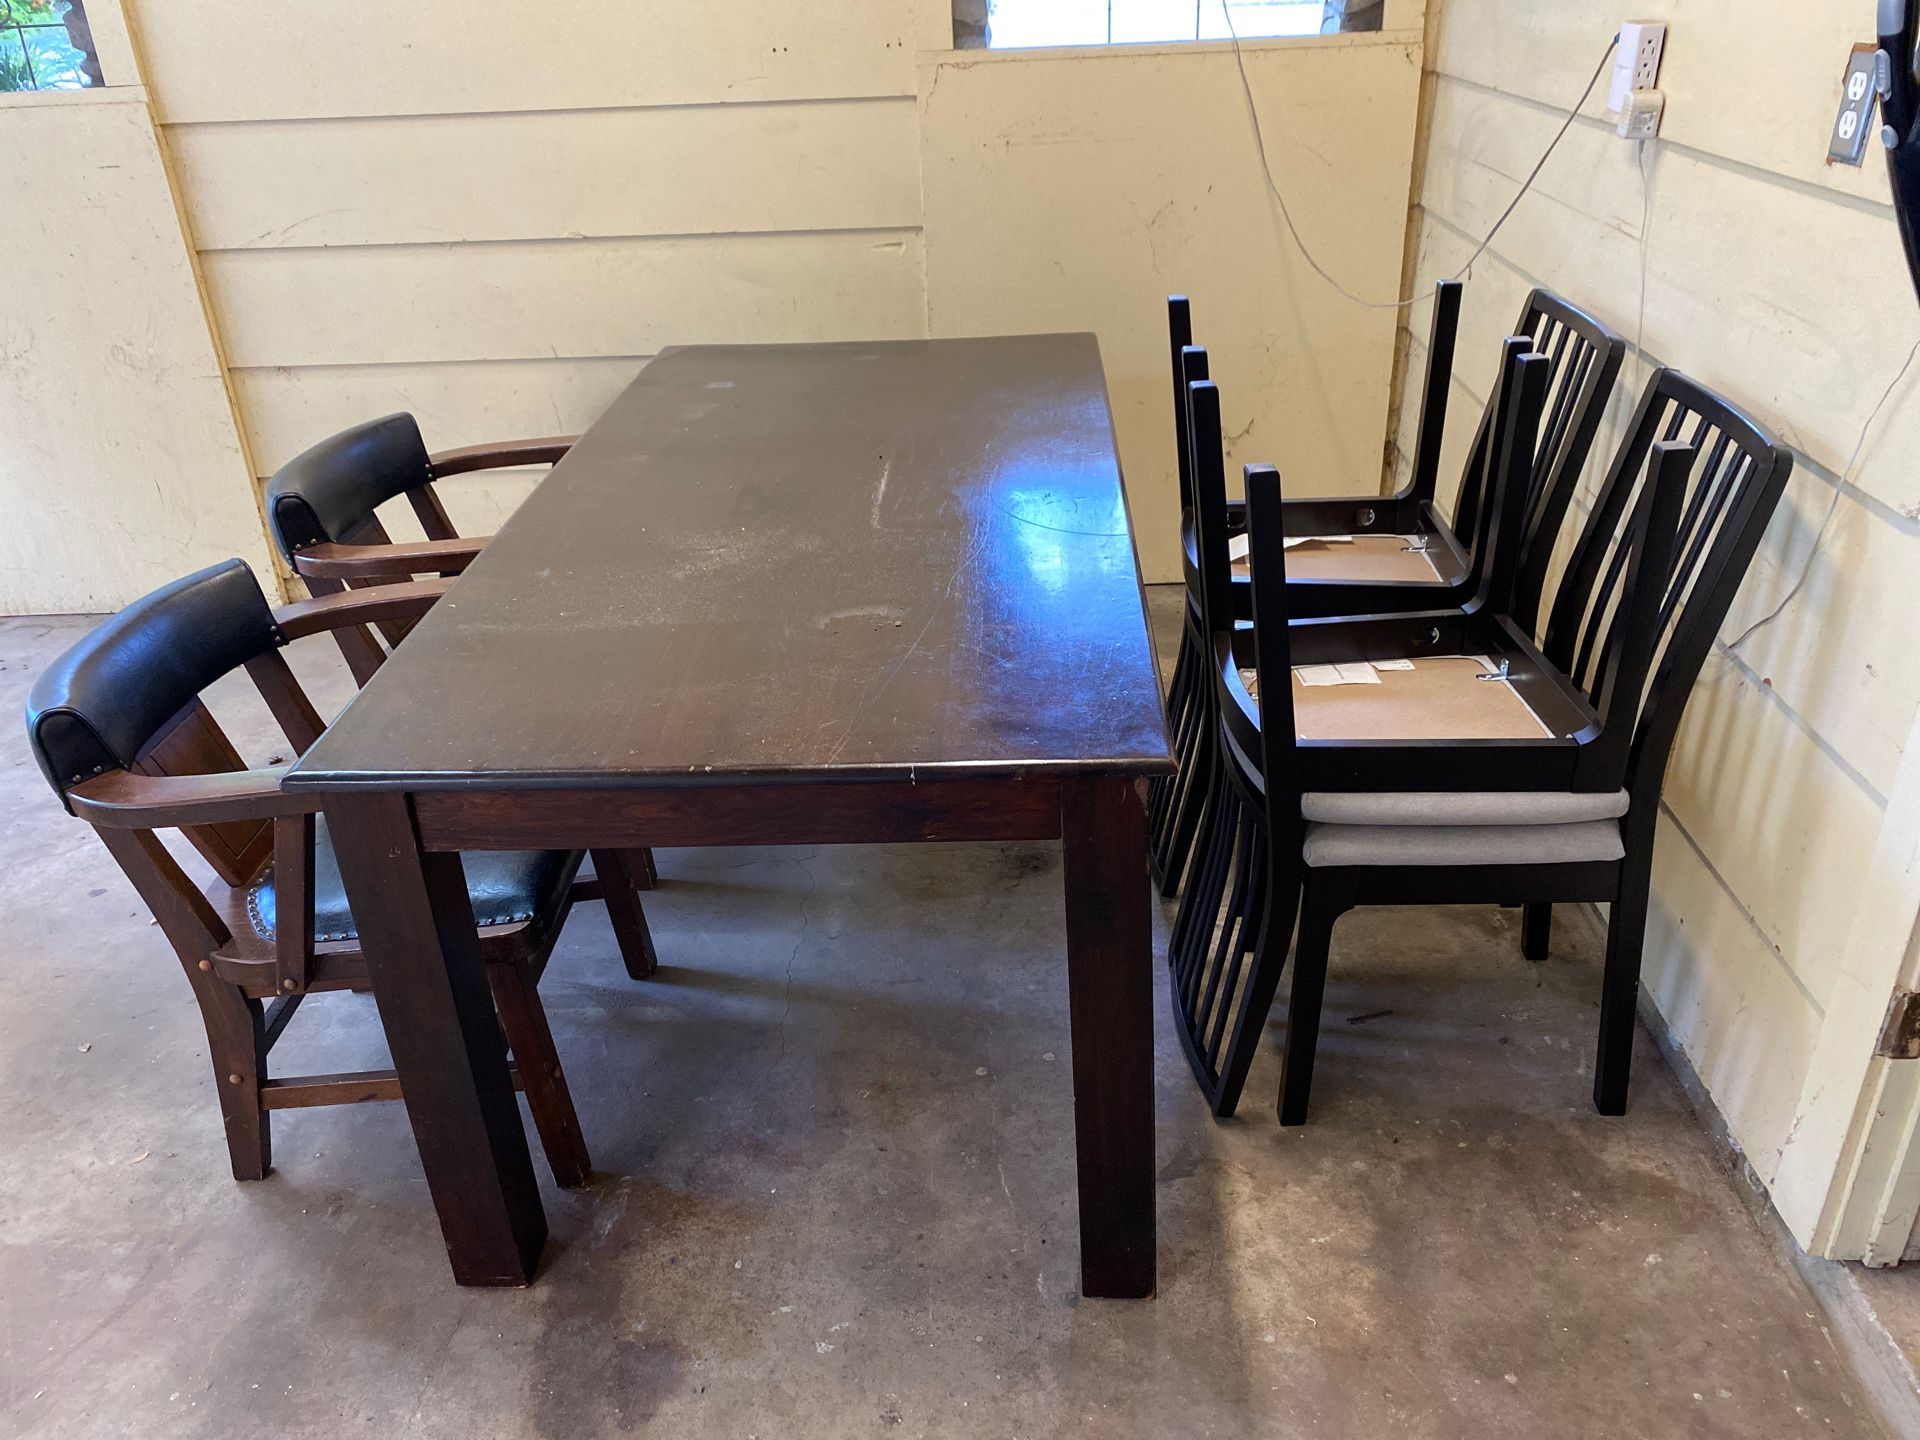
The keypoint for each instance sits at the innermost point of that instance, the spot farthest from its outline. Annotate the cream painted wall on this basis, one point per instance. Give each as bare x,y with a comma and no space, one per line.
1784,892
420,215
1074,189
499,243
120,461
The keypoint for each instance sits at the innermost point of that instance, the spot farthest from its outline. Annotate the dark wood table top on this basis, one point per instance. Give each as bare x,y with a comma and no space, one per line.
890,560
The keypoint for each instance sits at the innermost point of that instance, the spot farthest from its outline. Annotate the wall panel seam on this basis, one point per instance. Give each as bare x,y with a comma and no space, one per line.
263,121
1767,941
570,240
1887,514
1746,168
290,370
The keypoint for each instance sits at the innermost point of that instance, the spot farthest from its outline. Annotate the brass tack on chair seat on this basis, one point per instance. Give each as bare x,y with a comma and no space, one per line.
206,964
233,1079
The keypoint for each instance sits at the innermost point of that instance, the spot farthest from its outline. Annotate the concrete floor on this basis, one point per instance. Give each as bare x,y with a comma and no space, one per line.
835,1190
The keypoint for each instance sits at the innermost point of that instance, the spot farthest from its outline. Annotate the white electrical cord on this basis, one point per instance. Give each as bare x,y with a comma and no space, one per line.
1833,506
1646,230
1286,214
1646,216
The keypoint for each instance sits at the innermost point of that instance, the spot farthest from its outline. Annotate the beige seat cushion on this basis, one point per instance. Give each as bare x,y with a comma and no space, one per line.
1342,845
1442,807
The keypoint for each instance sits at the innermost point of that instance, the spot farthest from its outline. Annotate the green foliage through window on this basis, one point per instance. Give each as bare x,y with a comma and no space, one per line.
45,45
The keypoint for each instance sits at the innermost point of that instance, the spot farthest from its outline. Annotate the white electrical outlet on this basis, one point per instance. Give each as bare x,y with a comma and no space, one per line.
1640,118
1636,63
1646,41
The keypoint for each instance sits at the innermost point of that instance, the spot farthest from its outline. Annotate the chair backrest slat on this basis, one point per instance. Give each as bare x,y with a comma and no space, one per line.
435,523
1726,475
1443,333
1519,394
1210,507
192,743
1584,358
288,702
1179,337
1273,652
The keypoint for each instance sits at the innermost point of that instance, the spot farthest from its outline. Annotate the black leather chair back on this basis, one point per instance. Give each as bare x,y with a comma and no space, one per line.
98,706
325,494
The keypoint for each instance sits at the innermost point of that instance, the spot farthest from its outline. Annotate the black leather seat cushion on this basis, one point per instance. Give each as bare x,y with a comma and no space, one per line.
506,886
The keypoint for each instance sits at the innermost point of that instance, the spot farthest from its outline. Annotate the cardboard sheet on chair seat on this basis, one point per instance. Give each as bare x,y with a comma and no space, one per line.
1363,559
1440,698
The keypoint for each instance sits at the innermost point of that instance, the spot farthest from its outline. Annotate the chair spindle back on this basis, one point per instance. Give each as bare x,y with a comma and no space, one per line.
1717,476
1584,359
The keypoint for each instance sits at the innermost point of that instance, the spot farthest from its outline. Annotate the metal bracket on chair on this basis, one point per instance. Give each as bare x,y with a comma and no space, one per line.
1505,672
1419,545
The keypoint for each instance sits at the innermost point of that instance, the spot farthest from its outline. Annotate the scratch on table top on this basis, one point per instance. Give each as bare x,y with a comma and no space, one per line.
939,604
880,491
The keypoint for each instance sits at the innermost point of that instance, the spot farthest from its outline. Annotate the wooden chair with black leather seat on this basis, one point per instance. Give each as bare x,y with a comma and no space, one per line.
321,508
121,733
322,504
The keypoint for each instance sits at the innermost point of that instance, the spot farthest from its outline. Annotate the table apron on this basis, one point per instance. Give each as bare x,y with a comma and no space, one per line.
840,813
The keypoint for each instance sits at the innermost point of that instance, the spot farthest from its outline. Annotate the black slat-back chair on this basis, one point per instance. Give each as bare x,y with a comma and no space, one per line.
120,731
1340,824
1583,360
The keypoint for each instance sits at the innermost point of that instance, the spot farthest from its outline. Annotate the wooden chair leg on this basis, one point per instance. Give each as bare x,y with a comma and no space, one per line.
531,1043
1536,930
236,1043
621,874
1620,993
1318,911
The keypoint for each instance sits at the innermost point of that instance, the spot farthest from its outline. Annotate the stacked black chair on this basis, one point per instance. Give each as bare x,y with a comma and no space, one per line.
1583,358
1316,826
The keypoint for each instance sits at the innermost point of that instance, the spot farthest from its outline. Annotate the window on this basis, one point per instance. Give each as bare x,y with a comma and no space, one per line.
1018,24
45,45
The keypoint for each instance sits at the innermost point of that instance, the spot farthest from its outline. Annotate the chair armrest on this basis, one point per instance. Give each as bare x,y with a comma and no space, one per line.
127,801
408,601
386,562
500,455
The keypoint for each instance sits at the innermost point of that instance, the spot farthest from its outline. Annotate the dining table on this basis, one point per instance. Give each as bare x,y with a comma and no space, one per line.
798,594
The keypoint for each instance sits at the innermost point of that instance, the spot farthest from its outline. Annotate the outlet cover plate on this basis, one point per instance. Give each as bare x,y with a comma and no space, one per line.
1848,143
1636,63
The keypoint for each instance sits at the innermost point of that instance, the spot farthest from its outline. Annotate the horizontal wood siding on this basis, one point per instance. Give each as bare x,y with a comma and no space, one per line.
444,179
318,59
1777,280
1075,190
492,221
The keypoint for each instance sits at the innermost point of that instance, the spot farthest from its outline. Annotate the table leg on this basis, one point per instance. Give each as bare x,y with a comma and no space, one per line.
417,932
1110,995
